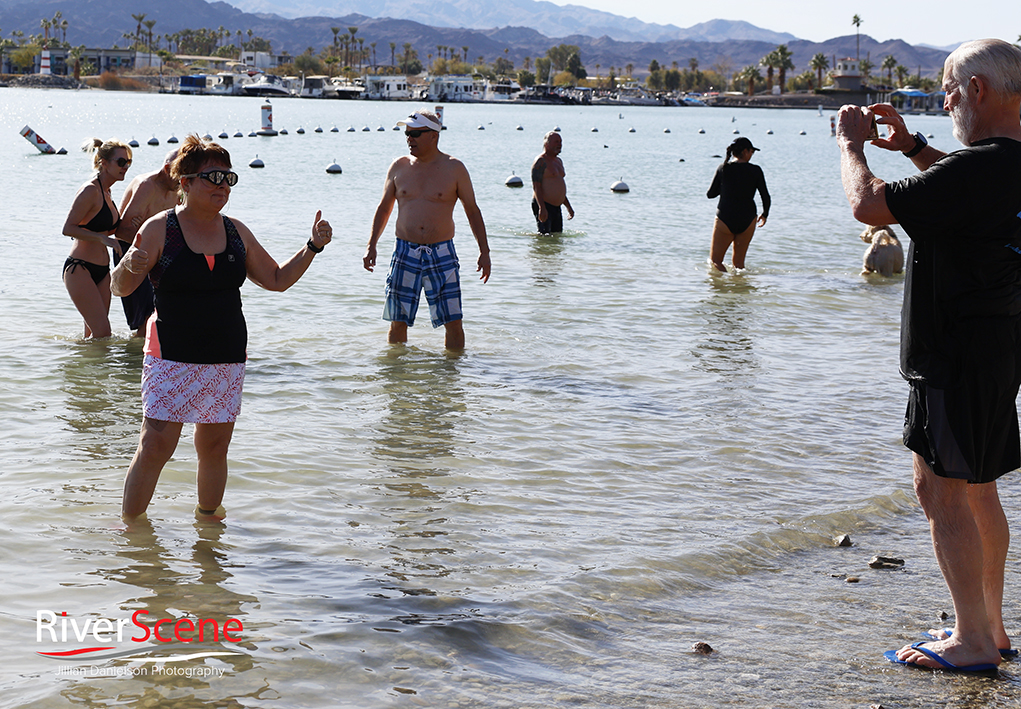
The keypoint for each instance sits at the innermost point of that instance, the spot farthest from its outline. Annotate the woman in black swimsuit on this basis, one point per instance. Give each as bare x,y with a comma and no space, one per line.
735,184
90,224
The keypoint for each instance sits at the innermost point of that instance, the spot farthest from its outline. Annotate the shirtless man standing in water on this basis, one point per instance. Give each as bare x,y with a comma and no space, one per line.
425,186
549,191
146,196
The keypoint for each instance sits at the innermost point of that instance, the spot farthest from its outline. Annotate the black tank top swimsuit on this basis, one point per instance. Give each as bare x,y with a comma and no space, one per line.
102,223
198,305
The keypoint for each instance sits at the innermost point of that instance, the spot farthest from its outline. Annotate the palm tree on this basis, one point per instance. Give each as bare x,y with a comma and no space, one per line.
856,21
149,24
138,30
692,64
820,63
465,56
783,63
769,61
889,64
393,46
866,70
902,74
45,24
750,74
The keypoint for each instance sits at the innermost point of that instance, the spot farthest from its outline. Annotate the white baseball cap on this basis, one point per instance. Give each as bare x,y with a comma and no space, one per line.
417,120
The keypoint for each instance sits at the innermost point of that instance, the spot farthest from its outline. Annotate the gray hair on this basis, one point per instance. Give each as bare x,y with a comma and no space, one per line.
996,61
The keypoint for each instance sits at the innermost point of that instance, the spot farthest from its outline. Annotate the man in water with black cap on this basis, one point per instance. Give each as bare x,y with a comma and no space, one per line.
425,186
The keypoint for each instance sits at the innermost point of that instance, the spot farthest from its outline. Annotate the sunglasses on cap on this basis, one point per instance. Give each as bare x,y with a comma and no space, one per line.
121,162
417,132
217,177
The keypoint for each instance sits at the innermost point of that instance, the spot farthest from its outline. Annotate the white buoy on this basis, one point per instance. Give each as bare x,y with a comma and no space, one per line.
207,137
769,132
37,140
801,133
380,128
620,186
481,128
301,131
153,141
632,130
556,129
737,132
350,129
334,169
239,134
133,143
594,129
394,128
62,151
172,139
224,136
319,129
514,181
519,128
701,131
666,130
267,119
335,129
253,134
257,162
283,131
365,129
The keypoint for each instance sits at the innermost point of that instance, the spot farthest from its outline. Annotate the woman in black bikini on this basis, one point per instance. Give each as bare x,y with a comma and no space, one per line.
735,184
90,224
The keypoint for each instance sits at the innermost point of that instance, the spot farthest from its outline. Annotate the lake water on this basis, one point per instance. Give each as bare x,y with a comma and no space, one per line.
632,455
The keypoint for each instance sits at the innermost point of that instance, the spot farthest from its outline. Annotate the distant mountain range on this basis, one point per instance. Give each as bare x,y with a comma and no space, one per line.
545,17
719,44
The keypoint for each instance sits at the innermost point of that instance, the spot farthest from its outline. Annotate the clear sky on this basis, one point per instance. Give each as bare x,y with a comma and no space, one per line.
936,22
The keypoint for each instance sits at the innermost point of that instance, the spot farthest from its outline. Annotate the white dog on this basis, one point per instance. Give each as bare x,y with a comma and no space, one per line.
884,255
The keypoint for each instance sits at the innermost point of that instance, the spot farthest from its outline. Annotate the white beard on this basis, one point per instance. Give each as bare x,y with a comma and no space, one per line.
964,119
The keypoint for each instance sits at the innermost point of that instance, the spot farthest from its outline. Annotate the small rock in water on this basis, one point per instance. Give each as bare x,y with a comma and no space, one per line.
853,579
943,615
885,562
702,648
843,541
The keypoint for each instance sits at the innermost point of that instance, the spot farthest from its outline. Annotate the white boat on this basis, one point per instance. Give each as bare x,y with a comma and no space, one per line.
635,95
227,84
345,88
453,88
314,87
502,90
382,88
267,85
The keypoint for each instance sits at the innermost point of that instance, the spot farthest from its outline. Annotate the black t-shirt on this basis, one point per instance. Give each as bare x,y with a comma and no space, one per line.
962,289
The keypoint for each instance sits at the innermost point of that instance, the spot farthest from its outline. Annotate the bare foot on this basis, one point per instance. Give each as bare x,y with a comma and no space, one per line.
951,651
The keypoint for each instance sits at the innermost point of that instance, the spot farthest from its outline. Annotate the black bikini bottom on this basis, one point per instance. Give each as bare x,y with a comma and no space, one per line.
96,270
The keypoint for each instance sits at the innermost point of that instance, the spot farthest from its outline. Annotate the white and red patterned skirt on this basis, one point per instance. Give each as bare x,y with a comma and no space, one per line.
191,393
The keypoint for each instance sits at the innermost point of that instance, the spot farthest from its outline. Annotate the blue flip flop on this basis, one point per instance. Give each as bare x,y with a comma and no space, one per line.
1005,654
891,655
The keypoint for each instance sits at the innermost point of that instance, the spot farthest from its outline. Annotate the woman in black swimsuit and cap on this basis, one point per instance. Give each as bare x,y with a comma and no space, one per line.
735,184
90,224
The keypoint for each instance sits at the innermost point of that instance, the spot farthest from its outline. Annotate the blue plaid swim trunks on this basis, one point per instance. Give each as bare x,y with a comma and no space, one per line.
432,267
